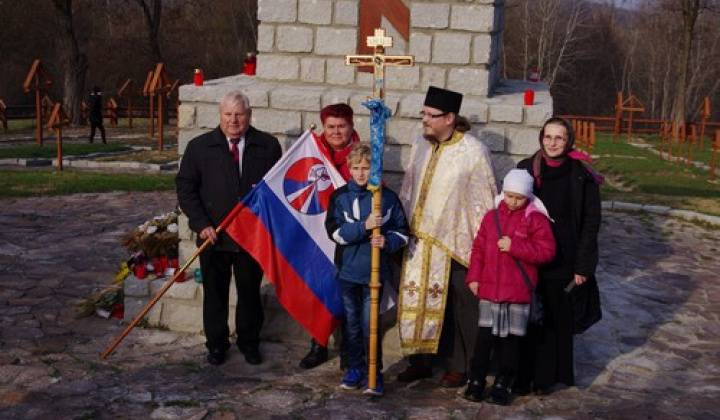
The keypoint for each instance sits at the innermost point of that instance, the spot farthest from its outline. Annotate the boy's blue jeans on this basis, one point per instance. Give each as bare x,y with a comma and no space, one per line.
356,300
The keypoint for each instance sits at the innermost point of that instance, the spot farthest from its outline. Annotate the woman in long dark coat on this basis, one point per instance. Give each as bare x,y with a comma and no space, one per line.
571,193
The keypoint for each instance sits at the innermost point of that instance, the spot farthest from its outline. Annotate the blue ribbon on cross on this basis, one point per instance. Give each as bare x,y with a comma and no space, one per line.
379,114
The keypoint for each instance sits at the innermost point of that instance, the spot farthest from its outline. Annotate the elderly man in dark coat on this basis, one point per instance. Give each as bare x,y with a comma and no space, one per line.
218,169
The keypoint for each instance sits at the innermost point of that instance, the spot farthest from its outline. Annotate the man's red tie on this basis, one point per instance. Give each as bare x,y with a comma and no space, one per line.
235,151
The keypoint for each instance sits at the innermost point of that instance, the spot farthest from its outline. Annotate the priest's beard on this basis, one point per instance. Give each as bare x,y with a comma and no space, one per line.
431,138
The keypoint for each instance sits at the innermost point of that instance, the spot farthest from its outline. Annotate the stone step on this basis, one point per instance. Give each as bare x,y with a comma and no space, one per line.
180,309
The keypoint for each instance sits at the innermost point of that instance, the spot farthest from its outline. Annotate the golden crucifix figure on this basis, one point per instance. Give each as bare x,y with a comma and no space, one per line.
378,60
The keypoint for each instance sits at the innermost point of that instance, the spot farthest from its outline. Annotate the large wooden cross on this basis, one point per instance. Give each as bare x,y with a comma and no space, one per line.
58,119
379,60
38,80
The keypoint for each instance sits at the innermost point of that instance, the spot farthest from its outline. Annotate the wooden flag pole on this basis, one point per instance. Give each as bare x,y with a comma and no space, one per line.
378,60
170,282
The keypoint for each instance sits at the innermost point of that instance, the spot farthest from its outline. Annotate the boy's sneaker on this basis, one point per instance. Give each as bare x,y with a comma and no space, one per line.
379,389
353,379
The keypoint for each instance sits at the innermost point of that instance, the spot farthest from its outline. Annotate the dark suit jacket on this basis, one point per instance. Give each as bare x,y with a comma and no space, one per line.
207,183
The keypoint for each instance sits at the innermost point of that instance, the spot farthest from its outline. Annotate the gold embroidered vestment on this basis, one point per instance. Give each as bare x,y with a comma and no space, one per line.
446,191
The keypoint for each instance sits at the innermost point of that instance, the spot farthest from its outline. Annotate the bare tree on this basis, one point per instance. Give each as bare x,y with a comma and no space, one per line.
567,48
74,61
690,12
152,13
544,35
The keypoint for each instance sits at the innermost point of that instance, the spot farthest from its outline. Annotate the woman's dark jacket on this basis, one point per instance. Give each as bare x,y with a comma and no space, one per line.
583,210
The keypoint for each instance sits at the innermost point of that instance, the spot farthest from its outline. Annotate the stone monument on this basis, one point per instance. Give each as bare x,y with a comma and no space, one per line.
302,45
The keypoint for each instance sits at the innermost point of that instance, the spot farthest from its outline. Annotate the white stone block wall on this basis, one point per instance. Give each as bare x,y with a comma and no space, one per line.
443,36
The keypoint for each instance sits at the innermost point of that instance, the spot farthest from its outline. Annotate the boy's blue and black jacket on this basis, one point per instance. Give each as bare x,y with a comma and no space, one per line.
348,209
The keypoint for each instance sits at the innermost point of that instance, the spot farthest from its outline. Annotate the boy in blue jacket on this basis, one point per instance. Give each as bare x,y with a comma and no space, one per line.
350,223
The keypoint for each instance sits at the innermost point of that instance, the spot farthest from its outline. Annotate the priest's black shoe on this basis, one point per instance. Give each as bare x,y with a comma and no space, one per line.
252,355
216,357
474,391
499,393
315,357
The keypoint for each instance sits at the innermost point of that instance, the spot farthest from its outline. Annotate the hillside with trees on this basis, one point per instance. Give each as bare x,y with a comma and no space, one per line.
666,52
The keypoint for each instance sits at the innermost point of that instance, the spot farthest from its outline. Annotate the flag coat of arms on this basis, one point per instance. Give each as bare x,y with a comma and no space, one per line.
282,225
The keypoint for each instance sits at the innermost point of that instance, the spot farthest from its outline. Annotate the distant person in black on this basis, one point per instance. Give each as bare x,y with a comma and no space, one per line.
96,117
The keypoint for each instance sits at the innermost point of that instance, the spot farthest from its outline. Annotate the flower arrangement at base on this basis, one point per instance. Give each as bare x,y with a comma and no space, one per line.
107,301
155,241
156,238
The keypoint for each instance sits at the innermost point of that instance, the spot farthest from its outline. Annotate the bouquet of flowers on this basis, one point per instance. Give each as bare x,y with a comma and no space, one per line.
157,237
106,301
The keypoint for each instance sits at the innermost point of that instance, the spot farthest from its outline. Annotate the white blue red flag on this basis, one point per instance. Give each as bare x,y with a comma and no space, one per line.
282,225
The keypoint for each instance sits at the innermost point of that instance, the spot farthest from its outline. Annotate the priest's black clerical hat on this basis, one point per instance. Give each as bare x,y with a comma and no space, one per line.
443,99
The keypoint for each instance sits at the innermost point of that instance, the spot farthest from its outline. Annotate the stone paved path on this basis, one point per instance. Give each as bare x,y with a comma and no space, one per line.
655,355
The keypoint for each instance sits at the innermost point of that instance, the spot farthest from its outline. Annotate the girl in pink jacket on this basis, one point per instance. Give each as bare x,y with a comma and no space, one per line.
495,277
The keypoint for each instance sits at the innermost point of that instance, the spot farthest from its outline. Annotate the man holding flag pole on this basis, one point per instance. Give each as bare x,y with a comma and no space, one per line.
218,170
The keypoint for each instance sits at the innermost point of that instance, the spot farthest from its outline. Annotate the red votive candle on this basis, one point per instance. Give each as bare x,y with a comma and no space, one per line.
199,78
250,64
140,271
159,266
529,97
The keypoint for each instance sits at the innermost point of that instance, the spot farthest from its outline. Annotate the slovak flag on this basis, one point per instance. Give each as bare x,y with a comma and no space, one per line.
282,225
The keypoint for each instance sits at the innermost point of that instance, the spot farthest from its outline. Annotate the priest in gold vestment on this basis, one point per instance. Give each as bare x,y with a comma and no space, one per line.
448,187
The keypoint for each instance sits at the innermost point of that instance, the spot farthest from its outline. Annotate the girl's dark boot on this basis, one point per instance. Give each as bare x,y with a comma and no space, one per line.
500,394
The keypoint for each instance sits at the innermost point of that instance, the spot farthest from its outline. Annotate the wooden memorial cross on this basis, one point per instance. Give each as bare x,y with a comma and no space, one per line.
85,111
618,116
591,138
3,115
48,105
691,142
112,111
38,80
681,134
585,135
146,93
58,119
126,91
716,146
578,128
704,115
378,60
160,86
664,135
632,105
